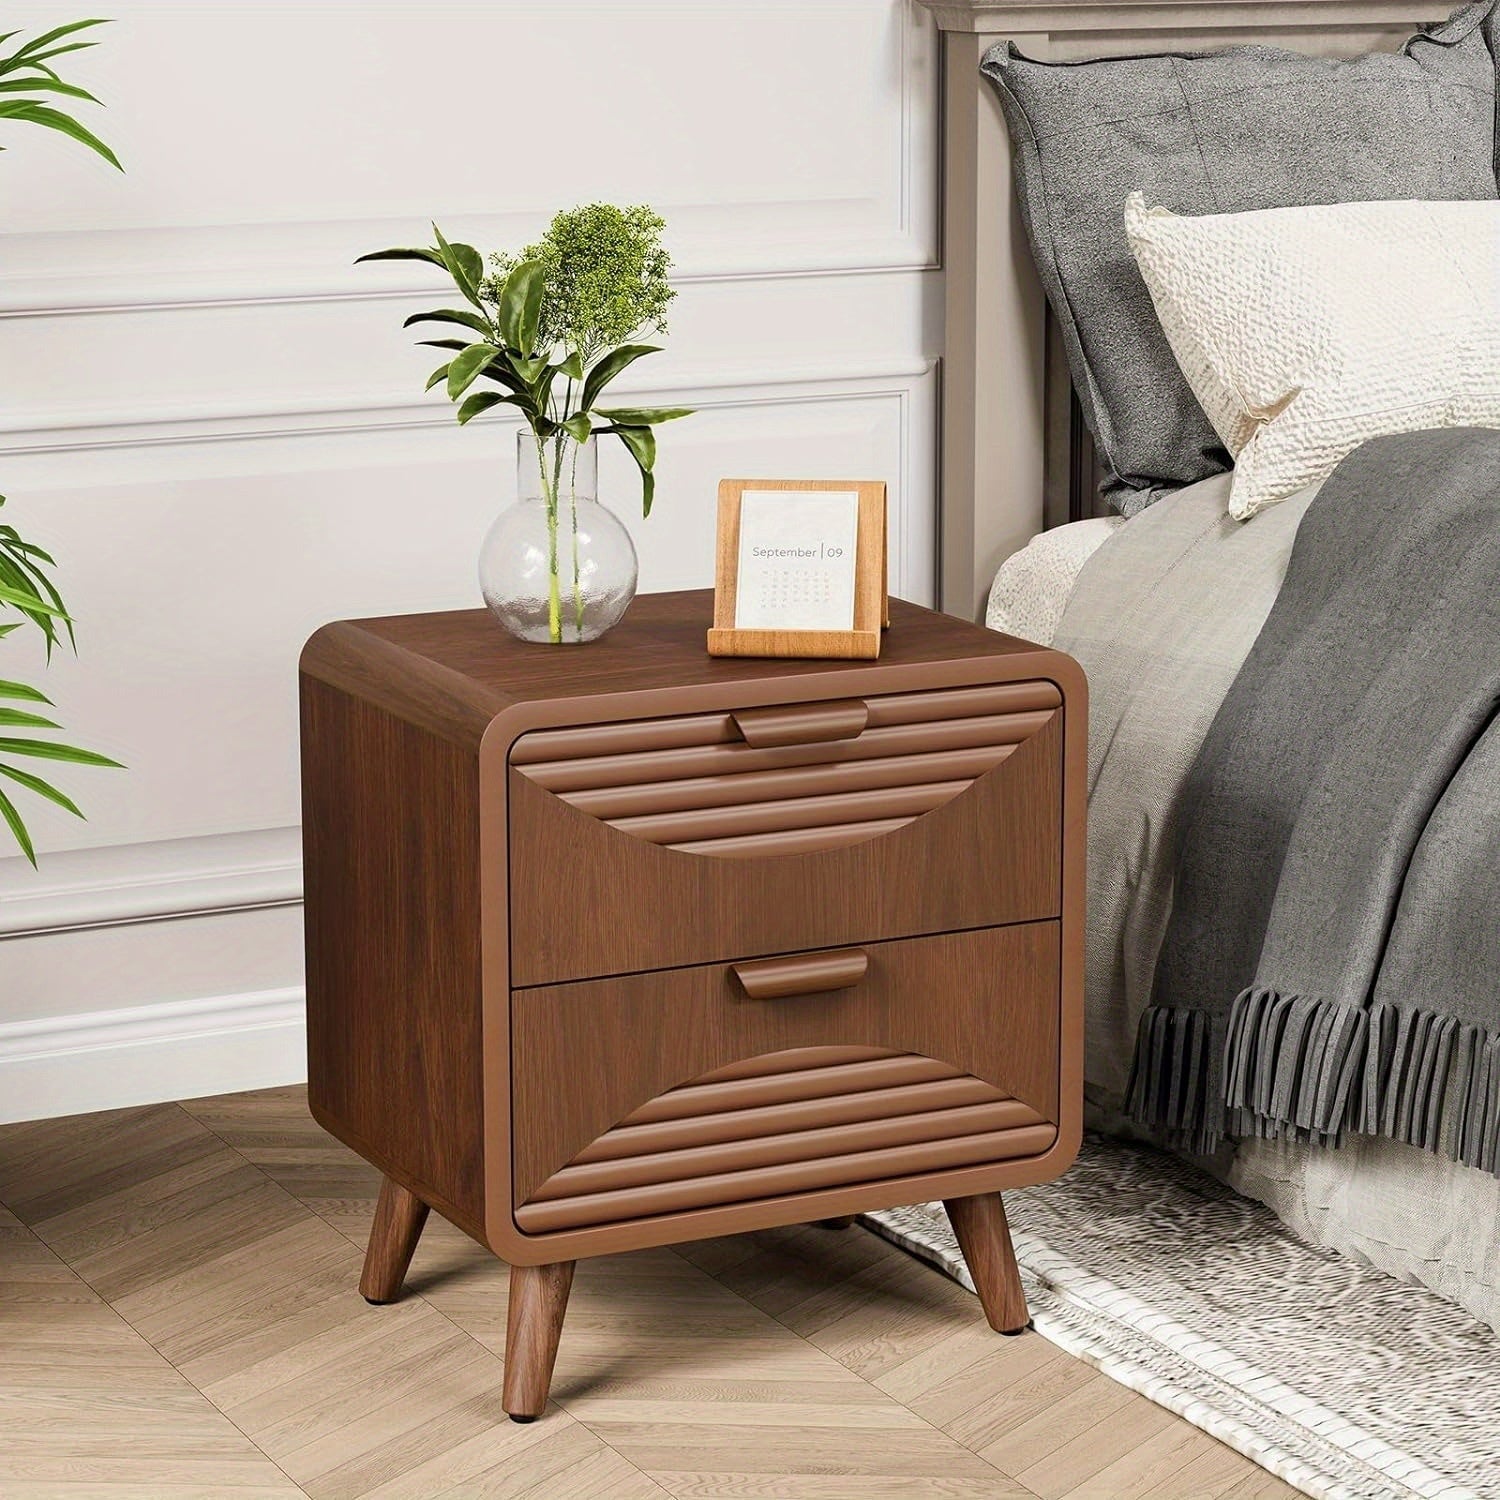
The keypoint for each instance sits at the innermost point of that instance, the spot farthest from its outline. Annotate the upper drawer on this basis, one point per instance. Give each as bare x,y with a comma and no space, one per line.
771,829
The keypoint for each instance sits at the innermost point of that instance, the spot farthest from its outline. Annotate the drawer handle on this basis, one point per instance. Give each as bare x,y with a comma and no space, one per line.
804,974
801,723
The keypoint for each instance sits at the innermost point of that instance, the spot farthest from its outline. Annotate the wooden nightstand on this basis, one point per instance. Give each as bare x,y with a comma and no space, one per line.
622,945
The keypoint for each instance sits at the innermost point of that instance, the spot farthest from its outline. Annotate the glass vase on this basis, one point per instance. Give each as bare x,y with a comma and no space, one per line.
557,567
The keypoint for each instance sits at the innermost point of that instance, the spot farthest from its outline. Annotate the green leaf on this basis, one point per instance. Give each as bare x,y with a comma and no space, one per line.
39,59
29,549
578,427
31,603
41,788
464,370
54,119
442,344
502,371
644,416
16,718
22,690
56,35
532,370
17,827
437,377
430,256
5,630
482,401
521,306
608,367
457,315
47,86
464,264
47,750
572,366
641,444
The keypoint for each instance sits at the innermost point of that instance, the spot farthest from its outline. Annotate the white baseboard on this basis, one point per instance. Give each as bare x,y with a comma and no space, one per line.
149,972
147,1054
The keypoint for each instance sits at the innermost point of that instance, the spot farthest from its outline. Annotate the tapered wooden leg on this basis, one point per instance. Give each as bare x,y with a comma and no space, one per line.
842,1222
984,1237
538,1302
399,1217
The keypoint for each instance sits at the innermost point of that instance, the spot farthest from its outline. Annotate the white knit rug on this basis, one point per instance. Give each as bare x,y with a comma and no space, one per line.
1346,1383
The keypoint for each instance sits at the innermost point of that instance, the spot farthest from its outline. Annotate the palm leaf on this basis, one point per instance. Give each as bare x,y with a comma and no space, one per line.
28,601
57,33
37,113
17,827
48,750
52,85
18,718
41,788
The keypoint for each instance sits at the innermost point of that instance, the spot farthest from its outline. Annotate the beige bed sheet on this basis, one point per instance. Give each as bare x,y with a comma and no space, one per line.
1161,612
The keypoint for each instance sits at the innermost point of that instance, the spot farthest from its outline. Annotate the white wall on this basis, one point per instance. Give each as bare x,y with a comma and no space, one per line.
216,422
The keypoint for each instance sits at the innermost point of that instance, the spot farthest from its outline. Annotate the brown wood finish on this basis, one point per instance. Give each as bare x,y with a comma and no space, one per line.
951,876
399,1219
533,1327
802,973
542,1025
593,1055
984,1237
871,595
802,723
390,837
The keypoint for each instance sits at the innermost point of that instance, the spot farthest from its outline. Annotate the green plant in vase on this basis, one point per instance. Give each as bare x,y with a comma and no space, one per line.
26,586
551,328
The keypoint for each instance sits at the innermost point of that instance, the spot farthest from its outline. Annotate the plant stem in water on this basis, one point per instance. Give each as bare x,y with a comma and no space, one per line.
554,597
577,580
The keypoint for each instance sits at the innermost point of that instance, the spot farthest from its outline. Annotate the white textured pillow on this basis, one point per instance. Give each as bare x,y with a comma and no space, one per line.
1305,331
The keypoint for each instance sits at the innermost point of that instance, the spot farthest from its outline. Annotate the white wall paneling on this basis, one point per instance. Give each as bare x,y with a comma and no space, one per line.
217,423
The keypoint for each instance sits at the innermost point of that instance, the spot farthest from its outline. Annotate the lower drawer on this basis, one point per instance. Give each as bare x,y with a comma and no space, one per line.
665,1092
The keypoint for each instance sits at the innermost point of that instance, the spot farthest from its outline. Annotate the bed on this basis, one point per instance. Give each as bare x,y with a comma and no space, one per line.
1027,546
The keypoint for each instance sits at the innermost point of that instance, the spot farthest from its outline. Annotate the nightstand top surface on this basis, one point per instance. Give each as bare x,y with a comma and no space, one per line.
468,659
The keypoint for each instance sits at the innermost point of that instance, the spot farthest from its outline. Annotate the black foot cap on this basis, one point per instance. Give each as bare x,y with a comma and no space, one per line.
379,1302
1015,1333
515,1418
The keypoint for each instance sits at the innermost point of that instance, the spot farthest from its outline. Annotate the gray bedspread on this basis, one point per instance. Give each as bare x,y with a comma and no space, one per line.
1342,744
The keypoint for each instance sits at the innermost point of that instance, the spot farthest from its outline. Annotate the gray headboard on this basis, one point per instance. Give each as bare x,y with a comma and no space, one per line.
1015,455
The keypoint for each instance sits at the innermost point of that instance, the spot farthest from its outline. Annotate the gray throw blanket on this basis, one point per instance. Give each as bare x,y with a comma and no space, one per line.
1333,956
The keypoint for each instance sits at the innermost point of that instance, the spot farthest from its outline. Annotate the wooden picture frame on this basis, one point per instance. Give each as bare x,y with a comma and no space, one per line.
871,595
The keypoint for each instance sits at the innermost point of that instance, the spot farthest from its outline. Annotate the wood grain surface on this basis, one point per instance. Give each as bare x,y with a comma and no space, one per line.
983,1235
390,830
589,1055
989,855
534,1315
180,1316
399,1219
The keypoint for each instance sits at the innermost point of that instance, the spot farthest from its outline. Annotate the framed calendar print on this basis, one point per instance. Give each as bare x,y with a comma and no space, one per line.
801,568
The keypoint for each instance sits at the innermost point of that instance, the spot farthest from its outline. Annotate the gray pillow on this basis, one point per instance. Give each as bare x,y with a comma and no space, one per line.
1218,132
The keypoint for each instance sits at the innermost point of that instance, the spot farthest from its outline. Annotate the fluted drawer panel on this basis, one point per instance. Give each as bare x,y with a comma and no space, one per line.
791,1177
654,735
674,1090
792,1121
694,783
847,1138
916,812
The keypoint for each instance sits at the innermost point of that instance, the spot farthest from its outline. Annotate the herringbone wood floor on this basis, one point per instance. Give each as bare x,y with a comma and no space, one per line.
179,1317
